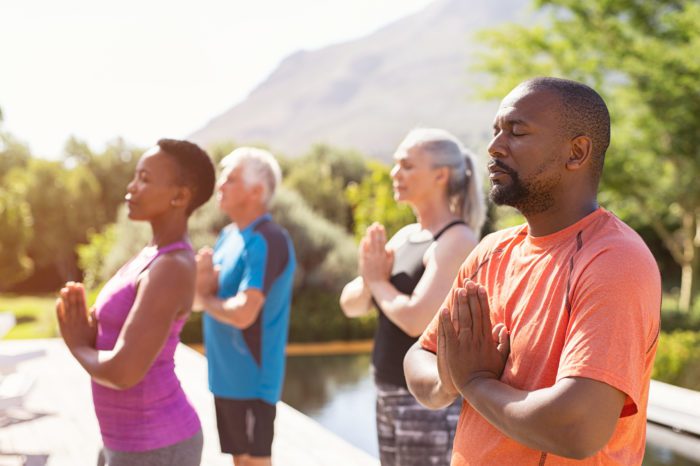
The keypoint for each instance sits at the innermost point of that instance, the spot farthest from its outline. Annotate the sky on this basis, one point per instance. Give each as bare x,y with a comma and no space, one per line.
147,69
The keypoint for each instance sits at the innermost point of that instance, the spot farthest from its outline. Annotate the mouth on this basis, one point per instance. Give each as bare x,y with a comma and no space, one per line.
496,171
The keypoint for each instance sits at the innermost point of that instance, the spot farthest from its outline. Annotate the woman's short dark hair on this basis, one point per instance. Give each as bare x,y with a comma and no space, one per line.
196,169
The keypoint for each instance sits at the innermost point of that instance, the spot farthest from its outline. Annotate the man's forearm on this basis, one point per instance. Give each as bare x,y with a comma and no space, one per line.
420,368
555,419
231,311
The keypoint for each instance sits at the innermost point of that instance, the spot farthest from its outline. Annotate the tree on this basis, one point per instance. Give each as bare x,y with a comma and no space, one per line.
640,56
321,175
12,154
113,169
63,209
372,200
15,235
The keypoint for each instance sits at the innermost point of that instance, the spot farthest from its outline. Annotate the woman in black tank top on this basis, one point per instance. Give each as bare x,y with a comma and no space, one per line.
407,278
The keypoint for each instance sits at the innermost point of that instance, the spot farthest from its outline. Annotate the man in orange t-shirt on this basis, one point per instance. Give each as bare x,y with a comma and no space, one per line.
550,330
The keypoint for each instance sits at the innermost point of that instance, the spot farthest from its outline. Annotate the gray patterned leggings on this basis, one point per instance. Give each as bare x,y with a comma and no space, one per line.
185,453
411,435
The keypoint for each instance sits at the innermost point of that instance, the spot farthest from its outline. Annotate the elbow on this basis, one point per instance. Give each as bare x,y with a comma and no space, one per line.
409,323
352,309
414,331
345,306
246,318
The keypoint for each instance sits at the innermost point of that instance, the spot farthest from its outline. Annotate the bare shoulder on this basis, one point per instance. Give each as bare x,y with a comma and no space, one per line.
401,235
453,246
174,269
457,238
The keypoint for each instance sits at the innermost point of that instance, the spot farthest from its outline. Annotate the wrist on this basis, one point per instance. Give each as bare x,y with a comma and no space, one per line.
373,282
472,384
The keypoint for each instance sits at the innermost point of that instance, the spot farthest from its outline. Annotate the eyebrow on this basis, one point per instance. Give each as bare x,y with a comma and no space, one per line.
511,122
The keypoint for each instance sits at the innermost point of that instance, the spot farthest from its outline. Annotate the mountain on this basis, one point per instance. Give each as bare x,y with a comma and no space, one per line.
368,93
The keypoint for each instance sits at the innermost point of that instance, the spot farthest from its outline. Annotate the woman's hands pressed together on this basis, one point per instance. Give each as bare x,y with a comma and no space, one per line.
77,324
376,260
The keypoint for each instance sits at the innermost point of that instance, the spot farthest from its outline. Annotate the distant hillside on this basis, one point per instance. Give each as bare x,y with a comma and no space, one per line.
367,93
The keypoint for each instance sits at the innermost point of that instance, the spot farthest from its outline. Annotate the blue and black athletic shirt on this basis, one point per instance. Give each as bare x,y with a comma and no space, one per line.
249,363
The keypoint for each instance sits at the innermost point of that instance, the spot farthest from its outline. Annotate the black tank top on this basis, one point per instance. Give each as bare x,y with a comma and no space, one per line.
390,342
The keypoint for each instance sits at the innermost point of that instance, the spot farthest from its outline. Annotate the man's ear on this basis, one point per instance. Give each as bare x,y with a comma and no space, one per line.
257,190
581,152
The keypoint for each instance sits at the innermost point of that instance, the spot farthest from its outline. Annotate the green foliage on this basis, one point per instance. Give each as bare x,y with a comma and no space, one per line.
92,256
678,359
372,200
113,169
35,316
316,316
326,254
15,236
128,237
322,175
672,318
62,203
12,154
638,55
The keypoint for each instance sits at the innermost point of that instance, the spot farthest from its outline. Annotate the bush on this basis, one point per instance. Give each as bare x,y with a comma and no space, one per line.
672,318
678,359
316,316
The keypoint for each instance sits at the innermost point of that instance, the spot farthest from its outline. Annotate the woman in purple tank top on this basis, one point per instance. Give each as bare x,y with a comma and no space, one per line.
127,341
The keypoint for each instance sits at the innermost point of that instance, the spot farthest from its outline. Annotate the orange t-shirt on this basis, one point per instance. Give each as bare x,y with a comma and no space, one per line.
582,302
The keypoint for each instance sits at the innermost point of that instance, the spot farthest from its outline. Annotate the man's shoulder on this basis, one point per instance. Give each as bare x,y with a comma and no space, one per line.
274,234
612,235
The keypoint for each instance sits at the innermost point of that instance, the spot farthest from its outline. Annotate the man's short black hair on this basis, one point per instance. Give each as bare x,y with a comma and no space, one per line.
196,169
583,113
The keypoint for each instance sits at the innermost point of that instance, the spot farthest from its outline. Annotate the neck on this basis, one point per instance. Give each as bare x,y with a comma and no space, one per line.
168,230
558,217
246,217
434,214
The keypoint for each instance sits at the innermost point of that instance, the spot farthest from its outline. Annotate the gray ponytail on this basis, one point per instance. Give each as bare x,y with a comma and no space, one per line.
470,199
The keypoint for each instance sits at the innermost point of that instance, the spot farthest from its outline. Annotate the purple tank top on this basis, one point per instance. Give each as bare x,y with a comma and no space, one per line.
154,413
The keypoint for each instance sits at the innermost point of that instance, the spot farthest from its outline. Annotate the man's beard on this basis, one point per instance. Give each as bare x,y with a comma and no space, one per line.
528,197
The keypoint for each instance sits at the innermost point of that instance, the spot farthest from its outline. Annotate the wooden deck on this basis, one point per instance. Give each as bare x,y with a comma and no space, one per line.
57,426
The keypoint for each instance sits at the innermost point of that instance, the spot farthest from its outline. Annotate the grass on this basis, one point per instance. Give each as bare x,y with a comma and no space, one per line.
34,315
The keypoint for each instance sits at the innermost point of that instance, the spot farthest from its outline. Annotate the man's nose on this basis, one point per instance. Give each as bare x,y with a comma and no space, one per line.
496,147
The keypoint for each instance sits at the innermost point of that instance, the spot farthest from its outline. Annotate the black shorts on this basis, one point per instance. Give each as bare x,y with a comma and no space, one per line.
246,427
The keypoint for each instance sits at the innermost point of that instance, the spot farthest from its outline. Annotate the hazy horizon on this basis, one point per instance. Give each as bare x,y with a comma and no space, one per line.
142,71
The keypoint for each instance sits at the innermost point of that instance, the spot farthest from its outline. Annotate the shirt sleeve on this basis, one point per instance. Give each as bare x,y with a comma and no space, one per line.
255,259
614,322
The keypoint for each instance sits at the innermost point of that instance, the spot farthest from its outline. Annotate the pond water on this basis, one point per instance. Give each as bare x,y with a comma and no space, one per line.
338,392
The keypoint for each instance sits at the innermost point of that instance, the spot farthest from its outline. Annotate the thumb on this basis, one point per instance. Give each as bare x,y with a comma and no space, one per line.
60,310
502,337
92,315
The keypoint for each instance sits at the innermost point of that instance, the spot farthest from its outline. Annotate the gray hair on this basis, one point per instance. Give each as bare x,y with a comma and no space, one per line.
464,186
259,166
